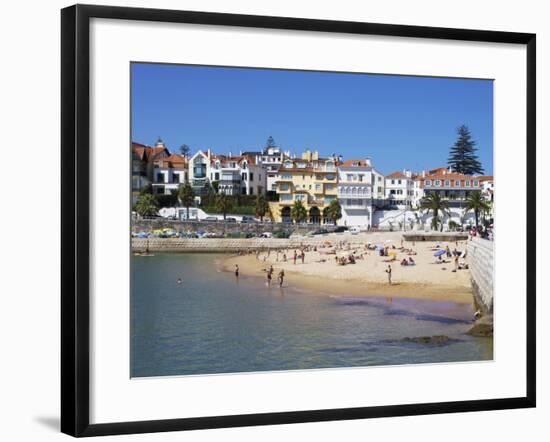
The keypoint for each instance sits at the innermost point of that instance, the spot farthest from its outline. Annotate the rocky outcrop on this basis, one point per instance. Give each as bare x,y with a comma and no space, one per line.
482,327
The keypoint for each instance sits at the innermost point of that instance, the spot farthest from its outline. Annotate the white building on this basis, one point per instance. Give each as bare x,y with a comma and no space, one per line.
169,173
199,172
378,188
355,180
237,175
399,189
271,159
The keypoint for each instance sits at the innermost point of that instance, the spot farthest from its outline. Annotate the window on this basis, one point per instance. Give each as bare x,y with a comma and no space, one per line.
317,187
243,176
393,181
329,186
349,177
251,191
467,183
285,197
399,192
438,182
217,176
447,183
398,181
286,176
476,183
379,178
428,182
392,192
251,177
160,177
284,186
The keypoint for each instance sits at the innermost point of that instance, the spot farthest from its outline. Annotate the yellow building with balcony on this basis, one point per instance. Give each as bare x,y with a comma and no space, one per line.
309,179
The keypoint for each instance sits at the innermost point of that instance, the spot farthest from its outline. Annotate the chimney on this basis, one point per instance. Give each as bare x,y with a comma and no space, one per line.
368,161
423,174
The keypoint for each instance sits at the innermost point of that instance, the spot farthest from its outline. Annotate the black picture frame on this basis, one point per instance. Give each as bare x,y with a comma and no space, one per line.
75,212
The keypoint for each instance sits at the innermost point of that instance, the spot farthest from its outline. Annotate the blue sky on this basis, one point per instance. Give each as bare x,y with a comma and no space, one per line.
401,122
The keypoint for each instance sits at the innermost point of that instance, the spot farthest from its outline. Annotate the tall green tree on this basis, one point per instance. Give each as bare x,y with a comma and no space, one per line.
476,202
185,149
224,204
186,196
298,212
462,157
147,205
261,207
270,142
435,204
334,211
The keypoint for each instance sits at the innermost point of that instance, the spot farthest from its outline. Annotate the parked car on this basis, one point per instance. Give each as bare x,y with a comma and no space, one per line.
248,219
354,230
340,229
211,218
230,220
266,235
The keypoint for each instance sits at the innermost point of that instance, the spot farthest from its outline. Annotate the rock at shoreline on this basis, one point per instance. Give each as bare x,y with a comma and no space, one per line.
437,339
483,327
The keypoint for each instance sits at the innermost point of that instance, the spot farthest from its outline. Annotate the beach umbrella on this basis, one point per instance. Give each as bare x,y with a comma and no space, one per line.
440,252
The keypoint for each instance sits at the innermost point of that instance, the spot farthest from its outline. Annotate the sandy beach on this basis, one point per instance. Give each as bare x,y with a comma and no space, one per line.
320,272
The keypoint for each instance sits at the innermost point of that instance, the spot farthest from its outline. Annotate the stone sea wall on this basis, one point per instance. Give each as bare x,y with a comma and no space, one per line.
219,245
435,236
219,226
481,259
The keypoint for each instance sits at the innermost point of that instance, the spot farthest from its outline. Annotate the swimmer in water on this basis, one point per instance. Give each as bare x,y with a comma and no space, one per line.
179,281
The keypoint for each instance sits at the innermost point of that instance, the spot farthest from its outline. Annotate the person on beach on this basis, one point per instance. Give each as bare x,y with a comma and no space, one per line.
281,277
388,271
236,270
303,256
295,256
456,263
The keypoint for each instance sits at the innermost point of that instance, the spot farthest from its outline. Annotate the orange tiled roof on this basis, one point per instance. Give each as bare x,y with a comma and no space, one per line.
396,174
352,163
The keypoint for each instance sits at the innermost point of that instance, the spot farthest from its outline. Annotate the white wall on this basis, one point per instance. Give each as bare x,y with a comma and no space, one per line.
30,330
383,218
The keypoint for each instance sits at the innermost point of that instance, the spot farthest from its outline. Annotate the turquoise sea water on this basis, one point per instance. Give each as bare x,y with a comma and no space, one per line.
214,323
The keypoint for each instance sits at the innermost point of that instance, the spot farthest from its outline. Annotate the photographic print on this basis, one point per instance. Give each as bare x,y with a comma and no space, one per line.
296,220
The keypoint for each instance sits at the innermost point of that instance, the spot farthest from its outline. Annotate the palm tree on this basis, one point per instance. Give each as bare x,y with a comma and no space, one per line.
186,196
477,203
224,204
298,212
147,205
434,203
262,207
334,211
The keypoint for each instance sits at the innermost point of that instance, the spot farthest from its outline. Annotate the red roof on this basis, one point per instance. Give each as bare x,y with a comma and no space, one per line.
173,160
148,153
355,163
397,174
